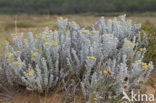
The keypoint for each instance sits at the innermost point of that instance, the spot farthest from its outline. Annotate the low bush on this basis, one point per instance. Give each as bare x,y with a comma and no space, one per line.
103,61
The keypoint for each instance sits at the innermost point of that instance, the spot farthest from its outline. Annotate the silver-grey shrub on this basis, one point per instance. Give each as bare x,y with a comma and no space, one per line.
105,59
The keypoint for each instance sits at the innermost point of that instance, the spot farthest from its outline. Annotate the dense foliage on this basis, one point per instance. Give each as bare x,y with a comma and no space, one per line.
151,49
103,61
75,6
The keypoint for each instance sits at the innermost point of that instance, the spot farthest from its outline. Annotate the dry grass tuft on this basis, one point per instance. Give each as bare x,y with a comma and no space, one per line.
32,97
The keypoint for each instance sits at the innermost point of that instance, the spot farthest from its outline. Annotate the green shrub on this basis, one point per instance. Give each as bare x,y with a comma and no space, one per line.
151,49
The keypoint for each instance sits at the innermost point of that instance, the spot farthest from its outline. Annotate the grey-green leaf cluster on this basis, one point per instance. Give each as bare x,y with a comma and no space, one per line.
102,61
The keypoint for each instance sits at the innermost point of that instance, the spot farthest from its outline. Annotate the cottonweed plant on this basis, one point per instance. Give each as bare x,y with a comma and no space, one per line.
103,61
